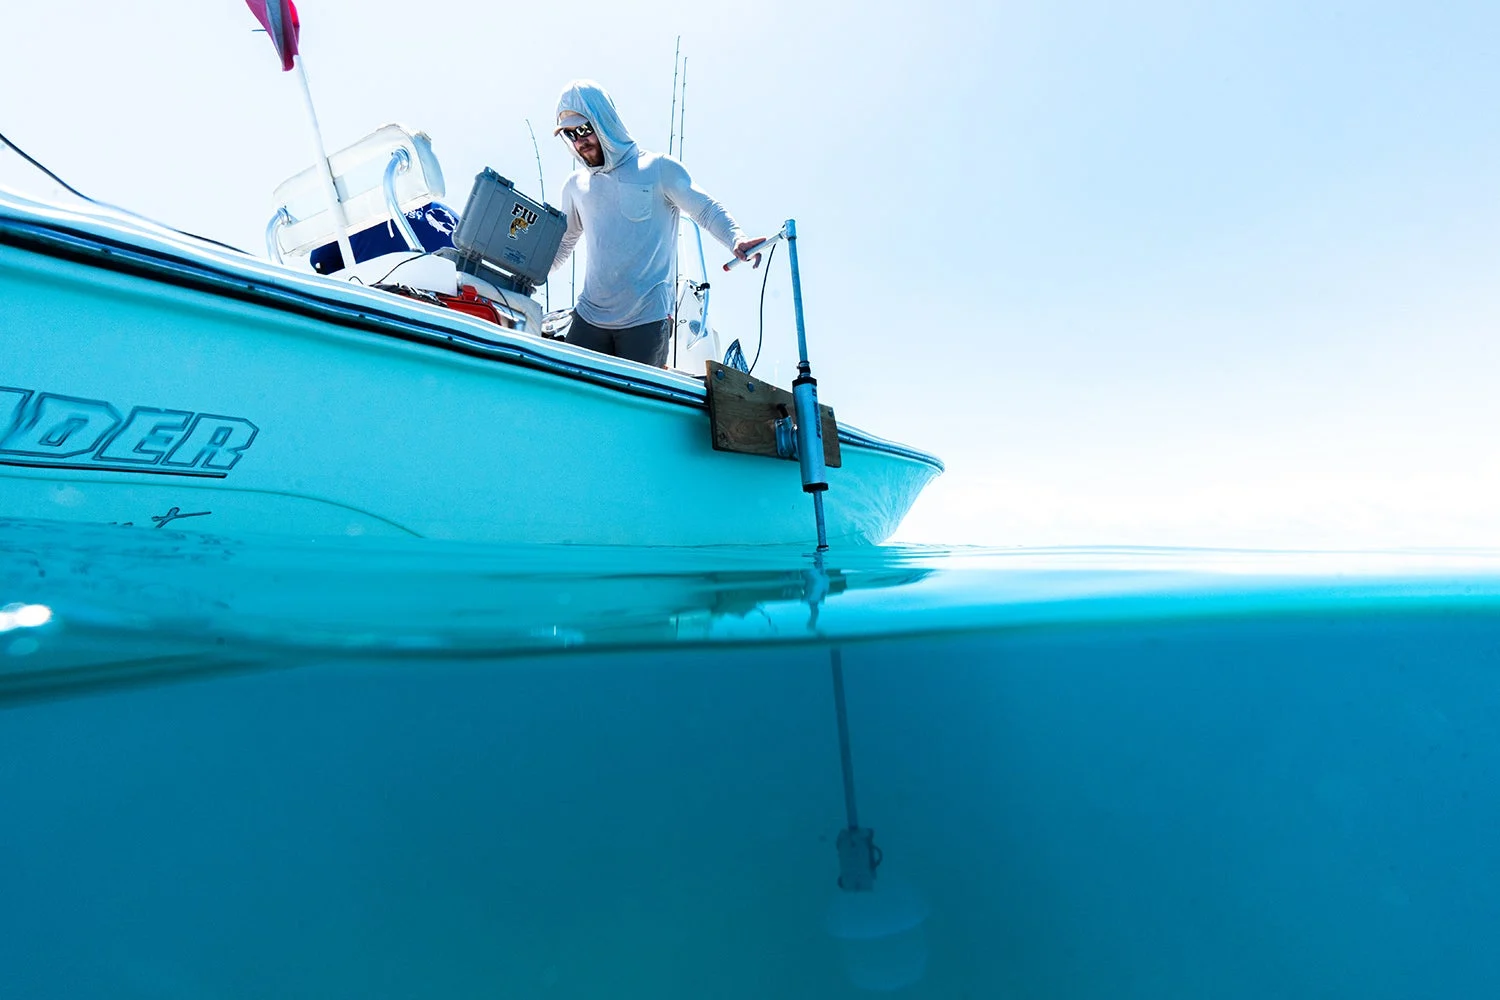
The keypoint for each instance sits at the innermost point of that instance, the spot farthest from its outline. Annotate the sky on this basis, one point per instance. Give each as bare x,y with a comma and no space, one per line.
1171,273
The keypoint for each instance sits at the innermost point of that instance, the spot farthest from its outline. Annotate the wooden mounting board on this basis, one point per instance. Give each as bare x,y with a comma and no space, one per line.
743,410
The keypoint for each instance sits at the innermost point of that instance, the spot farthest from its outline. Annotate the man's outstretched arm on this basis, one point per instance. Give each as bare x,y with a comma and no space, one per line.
710,215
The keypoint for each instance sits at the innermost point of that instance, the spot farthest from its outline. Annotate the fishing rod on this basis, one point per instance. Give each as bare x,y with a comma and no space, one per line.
704,292
701,289
677,294
682,126
541,184
672,118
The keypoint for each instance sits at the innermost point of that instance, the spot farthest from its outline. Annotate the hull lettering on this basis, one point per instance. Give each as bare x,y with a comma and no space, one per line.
46,430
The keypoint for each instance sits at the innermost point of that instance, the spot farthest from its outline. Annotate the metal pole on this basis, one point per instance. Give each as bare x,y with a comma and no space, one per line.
805,397
803,368
325,171
804,390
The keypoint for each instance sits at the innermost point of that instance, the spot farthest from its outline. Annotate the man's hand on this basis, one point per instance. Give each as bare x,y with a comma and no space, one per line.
743,247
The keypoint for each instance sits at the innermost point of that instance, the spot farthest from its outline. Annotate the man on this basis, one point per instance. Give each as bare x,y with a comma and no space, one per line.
626,203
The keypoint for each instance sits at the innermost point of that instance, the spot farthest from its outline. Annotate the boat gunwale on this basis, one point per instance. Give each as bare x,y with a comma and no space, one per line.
185,268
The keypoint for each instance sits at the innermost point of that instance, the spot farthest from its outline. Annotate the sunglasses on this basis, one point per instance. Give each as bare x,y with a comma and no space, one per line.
574,134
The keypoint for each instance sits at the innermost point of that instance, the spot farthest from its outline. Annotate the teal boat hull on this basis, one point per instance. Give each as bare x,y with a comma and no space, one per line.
152,381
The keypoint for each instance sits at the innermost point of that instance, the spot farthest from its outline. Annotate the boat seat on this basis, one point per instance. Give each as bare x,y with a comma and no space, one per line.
389,185
433,223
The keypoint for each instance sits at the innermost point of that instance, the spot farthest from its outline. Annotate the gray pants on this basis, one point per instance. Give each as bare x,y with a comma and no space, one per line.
646,343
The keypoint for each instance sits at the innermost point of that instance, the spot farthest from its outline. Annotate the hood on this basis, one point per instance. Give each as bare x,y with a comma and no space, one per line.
587,98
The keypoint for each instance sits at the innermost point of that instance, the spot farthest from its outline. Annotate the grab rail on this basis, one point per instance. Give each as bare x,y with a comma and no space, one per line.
400,163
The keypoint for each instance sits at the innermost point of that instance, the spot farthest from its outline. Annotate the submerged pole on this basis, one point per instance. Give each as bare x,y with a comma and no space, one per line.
859,856
846,757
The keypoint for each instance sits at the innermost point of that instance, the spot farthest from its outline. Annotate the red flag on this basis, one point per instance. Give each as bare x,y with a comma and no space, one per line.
279,18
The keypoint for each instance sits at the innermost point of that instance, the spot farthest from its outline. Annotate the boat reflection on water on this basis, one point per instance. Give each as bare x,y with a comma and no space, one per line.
138,605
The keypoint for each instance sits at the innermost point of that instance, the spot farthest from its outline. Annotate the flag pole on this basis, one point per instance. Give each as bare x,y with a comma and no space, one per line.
324,168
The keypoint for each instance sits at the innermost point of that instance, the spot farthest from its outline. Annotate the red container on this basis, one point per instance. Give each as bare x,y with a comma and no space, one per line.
471,302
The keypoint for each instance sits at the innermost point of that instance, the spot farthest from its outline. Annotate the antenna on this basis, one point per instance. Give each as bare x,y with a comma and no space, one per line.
672,119
541,184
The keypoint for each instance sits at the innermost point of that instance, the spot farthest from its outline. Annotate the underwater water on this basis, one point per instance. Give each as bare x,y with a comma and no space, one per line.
252,768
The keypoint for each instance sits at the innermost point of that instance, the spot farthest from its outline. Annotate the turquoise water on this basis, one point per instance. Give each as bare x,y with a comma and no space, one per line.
253,769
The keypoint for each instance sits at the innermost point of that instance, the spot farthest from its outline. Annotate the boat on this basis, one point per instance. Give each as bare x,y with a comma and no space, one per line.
157,378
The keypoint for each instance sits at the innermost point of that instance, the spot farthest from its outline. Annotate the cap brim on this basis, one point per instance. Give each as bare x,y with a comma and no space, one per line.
572,119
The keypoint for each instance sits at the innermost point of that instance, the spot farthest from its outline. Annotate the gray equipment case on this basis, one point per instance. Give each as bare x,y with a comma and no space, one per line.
508,231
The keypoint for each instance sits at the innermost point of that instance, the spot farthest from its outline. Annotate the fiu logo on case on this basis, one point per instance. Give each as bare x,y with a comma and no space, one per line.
522,219
46,430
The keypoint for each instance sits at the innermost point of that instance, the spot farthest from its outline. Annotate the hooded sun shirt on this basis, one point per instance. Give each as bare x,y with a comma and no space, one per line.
627,211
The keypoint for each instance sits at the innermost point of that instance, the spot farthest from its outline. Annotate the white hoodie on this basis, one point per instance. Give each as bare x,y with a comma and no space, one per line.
628,211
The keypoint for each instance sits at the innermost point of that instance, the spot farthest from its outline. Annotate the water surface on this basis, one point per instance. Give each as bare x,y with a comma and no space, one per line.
249,768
